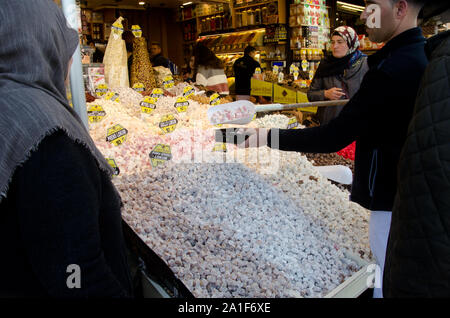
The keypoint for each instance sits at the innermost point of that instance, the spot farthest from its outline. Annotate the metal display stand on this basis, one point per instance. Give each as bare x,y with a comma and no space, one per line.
76,72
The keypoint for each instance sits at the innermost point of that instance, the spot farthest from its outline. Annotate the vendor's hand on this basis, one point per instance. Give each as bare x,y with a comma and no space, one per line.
334,93
257,137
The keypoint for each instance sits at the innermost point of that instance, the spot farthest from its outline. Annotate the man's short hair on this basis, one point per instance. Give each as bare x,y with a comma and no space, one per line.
157,44
417,3
249,49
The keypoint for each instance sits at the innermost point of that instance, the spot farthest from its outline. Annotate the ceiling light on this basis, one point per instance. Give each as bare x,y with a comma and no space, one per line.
187,3
351,8
141,3
354,6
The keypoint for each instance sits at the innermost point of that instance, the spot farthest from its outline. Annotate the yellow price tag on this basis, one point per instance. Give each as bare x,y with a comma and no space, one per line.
181,104
214,100
101,90
113,165
148,105
112,97
168,123
220,147
168,82
157,93
293,123
139,87
137,31
160,155
95,113
116,135
188,91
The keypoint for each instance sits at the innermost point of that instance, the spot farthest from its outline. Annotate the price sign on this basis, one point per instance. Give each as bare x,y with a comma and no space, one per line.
293,123
112,97
305,65
214,100
276,69
188,91
160,155
137,31
168,82
157,93
95,113
139,87
101,90
181,104
116,135
113,165
220,147
117,30
168,123
148,105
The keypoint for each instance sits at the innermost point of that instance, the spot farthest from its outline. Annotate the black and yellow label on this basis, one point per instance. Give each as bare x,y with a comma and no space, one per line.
148,105
139,87
95,113
214,100
137,31
168,123
116,135
293,123
117,28
168,82
112,163
275,69
305,65
160,155
258,70
220,147
188,91
112,97
181,104
157,93
101,90
292,69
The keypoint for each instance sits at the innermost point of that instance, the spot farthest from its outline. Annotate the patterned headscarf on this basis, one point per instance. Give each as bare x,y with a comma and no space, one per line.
350,36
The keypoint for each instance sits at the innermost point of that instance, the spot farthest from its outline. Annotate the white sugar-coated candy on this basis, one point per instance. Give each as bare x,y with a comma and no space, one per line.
231,226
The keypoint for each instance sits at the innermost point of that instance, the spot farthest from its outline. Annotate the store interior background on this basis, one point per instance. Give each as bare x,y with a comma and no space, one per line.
161,21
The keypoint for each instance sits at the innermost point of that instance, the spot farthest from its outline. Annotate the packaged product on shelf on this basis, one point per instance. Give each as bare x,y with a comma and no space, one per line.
115,59
141,68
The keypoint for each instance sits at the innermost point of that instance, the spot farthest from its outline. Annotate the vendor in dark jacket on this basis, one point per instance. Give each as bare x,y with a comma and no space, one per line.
244,69
60,219
377,117
156,56
418,252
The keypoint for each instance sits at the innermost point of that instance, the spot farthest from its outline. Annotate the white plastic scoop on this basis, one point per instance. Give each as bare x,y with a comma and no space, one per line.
337,173
242,112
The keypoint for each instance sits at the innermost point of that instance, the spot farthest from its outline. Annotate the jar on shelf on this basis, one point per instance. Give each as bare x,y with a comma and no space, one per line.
244,18
238,19
251,17
264,15
258,17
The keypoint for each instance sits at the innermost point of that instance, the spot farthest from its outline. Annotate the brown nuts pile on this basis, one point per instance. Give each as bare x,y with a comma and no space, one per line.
141,69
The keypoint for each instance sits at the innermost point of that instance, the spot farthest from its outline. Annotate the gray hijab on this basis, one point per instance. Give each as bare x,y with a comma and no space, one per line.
36,46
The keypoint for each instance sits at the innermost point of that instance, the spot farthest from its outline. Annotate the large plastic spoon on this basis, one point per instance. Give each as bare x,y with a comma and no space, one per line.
242,112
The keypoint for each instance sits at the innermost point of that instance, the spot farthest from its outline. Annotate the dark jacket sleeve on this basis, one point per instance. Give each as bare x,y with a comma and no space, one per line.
354,120
316,90
59,219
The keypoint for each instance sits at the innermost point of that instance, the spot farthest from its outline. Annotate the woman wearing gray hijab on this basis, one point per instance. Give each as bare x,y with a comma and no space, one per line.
60,221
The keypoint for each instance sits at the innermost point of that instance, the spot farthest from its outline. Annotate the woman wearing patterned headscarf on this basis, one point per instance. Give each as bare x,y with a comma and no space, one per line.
340,74
60,220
